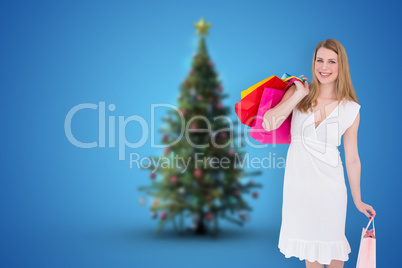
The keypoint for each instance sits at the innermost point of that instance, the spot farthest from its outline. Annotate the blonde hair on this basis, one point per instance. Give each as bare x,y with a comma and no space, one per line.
343,88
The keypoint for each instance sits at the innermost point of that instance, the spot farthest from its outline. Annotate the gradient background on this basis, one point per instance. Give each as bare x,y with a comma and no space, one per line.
62,206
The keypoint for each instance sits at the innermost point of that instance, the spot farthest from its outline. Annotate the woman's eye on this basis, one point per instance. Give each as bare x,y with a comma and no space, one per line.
330,61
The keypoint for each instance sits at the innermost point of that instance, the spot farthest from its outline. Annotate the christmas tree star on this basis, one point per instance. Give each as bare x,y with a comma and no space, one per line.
202,27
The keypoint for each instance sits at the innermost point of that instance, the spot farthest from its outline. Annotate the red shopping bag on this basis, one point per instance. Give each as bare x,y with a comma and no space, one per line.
271,81
247,108
367,251
270,98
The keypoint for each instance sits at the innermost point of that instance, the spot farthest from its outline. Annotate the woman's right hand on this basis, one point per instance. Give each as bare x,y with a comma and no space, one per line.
302,89
363,208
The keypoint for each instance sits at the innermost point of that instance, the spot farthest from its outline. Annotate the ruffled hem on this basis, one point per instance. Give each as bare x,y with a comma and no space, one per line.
323,252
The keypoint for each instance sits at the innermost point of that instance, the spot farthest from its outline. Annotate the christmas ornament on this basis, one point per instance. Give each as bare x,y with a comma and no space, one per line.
165,138
152,175
155,202
197,173
184,112
240,212
219,105
191,71
237,192
163,215
243,216
231,152
199,98
209,216
166,151
220,88
255,195
182,190
154,215
211,64
193,126
223,135
209,108
173,179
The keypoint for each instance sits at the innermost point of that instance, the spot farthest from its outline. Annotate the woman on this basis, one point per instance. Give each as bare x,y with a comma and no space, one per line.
314,191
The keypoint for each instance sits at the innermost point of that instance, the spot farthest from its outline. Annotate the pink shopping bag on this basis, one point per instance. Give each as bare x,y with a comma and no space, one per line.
270,98
367,250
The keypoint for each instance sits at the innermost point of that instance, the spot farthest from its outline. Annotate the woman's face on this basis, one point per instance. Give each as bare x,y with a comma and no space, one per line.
326,66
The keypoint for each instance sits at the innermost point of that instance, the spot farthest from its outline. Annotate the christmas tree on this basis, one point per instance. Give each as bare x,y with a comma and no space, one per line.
202,177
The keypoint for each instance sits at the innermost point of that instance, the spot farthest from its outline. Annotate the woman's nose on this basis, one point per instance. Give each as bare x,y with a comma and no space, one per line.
324,66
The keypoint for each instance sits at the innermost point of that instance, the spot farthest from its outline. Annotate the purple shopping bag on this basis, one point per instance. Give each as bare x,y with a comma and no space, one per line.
367,250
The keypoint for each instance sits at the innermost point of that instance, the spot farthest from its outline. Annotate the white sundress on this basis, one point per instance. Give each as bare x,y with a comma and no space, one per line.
314,190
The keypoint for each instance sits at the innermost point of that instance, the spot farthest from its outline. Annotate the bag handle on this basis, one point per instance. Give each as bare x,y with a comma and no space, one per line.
290,82
372,219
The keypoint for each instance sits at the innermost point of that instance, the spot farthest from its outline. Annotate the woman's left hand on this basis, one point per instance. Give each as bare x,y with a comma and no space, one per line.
363,208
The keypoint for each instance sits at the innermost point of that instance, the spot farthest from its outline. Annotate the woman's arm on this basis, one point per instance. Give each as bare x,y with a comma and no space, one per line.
353,166
273,118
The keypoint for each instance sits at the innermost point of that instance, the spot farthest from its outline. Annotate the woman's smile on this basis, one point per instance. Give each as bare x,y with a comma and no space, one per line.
325,75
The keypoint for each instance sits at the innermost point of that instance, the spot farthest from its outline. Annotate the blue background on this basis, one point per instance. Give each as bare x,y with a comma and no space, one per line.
62,206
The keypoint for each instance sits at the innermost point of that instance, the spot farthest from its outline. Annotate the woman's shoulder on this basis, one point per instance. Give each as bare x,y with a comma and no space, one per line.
351,110
351,104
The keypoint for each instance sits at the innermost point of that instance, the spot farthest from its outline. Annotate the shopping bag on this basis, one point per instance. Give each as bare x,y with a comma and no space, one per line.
367,251
270,98
253,87
272,81
286,77
246,109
